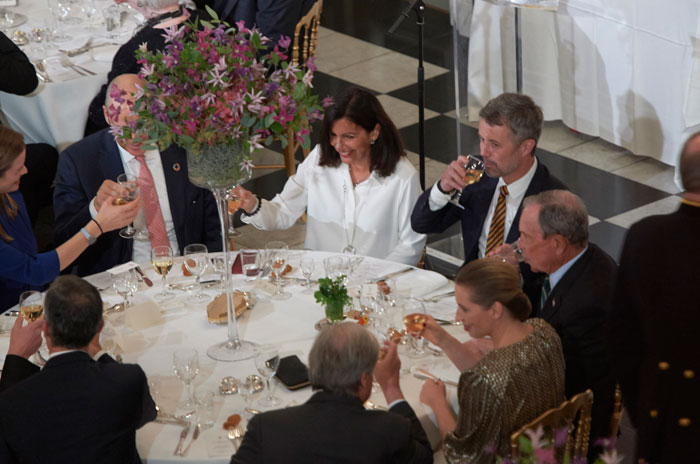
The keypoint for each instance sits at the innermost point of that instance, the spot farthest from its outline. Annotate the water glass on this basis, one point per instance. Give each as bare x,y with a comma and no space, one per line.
250,260
196,262
307,268
206,415
186,367
266,362
125,284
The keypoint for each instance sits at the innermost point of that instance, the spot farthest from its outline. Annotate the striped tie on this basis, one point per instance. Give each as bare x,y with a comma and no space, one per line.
498,223
151,206
546,290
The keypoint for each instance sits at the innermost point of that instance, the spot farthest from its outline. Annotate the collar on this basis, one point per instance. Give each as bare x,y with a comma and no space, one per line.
127,157
556,276
517,189
59,353
323,396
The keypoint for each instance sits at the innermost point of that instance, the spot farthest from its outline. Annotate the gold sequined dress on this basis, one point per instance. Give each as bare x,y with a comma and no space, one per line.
506,389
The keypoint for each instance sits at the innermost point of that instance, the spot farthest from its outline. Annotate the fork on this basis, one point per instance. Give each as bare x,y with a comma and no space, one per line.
234,434
67,63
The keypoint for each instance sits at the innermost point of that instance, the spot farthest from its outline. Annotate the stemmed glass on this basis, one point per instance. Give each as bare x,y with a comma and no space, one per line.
59,12
130,184
510,253
414,318
31,305
277,251
186,367
196,261
162,259
267,361
247,388
125,284
307,268
474,168
234,203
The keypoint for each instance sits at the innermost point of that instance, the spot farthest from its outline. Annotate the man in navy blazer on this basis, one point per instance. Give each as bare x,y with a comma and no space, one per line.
509,128
87,171
76,409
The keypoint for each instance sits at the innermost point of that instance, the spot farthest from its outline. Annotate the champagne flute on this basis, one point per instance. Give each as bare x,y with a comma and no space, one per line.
162,259
307,268
474,168
31,305
196,260
414,318
186,367
278,261
234,203
125,284
130,184
267,361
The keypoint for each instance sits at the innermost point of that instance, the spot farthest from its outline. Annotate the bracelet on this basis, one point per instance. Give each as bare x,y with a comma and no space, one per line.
91,240
441,190
98,225
256,209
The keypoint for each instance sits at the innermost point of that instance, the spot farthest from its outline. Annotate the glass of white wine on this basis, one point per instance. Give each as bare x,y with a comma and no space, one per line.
277,251
130,184
162,259
266,362
414,319
196,261
31,305
186,367
474,169
234,203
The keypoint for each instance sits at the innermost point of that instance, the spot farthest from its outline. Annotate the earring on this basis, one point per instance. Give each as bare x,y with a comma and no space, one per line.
371,142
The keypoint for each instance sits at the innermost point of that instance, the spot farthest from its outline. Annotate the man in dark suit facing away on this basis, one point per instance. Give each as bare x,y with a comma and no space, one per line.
76,410
334,426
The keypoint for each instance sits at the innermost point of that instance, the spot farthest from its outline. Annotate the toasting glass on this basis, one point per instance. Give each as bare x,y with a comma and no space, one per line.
267,361
474,168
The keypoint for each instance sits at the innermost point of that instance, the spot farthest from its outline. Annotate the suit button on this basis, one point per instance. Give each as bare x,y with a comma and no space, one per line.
664,366
688,374
684,422
653,413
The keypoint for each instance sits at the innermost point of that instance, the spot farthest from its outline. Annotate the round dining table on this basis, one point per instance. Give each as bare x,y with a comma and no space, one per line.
288,324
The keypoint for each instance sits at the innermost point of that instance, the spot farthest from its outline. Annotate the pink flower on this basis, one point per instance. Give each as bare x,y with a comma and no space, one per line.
611,457
545,456
147,70
284,41
327,102
536,437
311,63
307,79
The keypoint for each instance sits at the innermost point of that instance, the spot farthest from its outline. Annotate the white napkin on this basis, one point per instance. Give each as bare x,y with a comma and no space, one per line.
104,53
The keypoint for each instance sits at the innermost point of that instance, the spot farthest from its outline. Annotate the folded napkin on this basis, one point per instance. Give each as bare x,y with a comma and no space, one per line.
104,53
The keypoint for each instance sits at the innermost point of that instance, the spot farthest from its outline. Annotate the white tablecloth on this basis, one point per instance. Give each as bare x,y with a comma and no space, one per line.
56,112
288,324
625,70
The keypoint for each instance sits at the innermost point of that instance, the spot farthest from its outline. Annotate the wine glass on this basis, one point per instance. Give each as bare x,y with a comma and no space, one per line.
59,12
125,284
247,389
234,203
278,260
186,367
218,263
474,168
267,361
307,268
196,260
31,305
130,184
510,253
414,318
162,259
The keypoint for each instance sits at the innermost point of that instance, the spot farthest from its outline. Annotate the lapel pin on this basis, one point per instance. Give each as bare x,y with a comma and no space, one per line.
176,167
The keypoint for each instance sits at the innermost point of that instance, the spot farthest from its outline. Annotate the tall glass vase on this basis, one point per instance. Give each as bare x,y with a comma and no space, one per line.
219,168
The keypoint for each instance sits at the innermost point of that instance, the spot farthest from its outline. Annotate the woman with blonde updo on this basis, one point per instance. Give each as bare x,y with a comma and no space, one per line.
503,388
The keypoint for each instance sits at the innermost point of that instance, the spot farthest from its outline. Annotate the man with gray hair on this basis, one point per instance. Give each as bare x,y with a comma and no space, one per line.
575,295
334,426
83,410
655,322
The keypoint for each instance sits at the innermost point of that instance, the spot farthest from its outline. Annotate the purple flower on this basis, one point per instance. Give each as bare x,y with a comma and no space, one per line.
247,165
311,63
172,33
270,88
560,436
327,102
284,41
147,70
116,131
217,78
209,98
307,79
536,437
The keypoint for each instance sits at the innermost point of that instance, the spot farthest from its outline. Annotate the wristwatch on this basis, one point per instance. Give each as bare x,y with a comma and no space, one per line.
91,240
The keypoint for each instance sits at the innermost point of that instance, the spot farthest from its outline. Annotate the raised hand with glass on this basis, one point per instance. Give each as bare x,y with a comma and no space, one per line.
473,169
130,186
414,318
31,305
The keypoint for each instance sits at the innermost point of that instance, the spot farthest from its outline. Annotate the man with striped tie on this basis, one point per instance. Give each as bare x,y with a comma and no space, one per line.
576,294
489,210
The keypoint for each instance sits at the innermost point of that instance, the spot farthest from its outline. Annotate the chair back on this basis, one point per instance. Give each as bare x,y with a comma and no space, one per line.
561,417
618,409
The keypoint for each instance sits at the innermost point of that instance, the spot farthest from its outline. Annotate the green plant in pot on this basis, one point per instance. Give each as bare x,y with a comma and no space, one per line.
333,295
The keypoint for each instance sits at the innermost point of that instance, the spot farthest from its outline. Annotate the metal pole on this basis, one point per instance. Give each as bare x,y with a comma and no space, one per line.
518,53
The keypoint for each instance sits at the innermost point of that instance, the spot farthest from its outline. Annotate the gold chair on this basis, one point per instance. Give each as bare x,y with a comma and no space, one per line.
618,409
558,418
303,48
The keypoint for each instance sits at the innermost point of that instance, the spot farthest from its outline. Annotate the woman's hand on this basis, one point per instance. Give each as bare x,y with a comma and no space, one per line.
109,188
433,393
433,332
112,217
248,200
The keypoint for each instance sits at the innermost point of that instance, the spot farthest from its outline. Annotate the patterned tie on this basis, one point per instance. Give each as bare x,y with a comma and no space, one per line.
498,223
546,290
151,206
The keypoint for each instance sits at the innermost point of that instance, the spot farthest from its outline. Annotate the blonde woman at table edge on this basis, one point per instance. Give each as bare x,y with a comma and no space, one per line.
502,389
23,268
357,187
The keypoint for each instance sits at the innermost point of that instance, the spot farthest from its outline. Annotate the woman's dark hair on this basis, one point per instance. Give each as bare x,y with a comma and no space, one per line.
490,280
363,109
11,146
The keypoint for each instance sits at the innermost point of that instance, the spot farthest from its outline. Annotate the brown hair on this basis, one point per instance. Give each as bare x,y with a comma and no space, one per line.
490,280
363,109
516,111
11,146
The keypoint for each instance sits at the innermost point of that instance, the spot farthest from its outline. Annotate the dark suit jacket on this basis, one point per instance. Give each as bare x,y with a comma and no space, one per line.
83,167
17,74
16,369
335,428
578,309
75,410
654,335
476,200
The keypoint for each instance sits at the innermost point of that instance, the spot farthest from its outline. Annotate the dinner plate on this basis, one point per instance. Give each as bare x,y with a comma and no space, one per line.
419,283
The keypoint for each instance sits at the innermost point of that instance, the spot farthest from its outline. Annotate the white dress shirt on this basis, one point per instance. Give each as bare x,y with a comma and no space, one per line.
516,194
142,244
374,216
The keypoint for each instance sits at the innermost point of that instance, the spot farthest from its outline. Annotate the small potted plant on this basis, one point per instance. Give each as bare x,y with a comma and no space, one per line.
333,295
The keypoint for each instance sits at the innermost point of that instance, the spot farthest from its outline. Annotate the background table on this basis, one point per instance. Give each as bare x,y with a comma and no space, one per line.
289,324
625,70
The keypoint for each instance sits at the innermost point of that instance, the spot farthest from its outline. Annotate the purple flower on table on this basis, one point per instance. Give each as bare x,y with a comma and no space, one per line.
172,33
327,102
217,78
170,60
209,98
284,41
311,63
290,73
579,460
545,456
116,131
307,79
147,70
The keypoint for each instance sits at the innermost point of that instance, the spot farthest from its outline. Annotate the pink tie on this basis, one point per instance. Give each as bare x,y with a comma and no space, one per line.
151,206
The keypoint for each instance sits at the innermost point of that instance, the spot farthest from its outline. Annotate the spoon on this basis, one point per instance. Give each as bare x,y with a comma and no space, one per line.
234,434
114,309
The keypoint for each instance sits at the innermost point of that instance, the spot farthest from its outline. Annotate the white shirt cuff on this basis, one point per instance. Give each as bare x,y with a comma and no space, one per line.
437,199
93,210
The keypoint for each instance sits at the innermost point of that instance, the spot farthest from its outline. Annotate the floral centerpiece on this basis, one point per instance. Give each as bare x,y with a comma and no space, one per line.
334,296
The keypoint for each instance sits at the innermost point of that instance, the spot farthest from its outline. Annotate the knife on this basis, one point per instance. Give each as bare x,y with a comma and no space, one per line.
391,275
194,437
183,435
143,276
425,375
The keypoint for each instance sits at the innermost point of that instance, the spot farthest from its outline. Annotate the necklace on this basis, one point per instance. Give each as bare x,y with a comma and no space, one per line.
350,248
359,181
